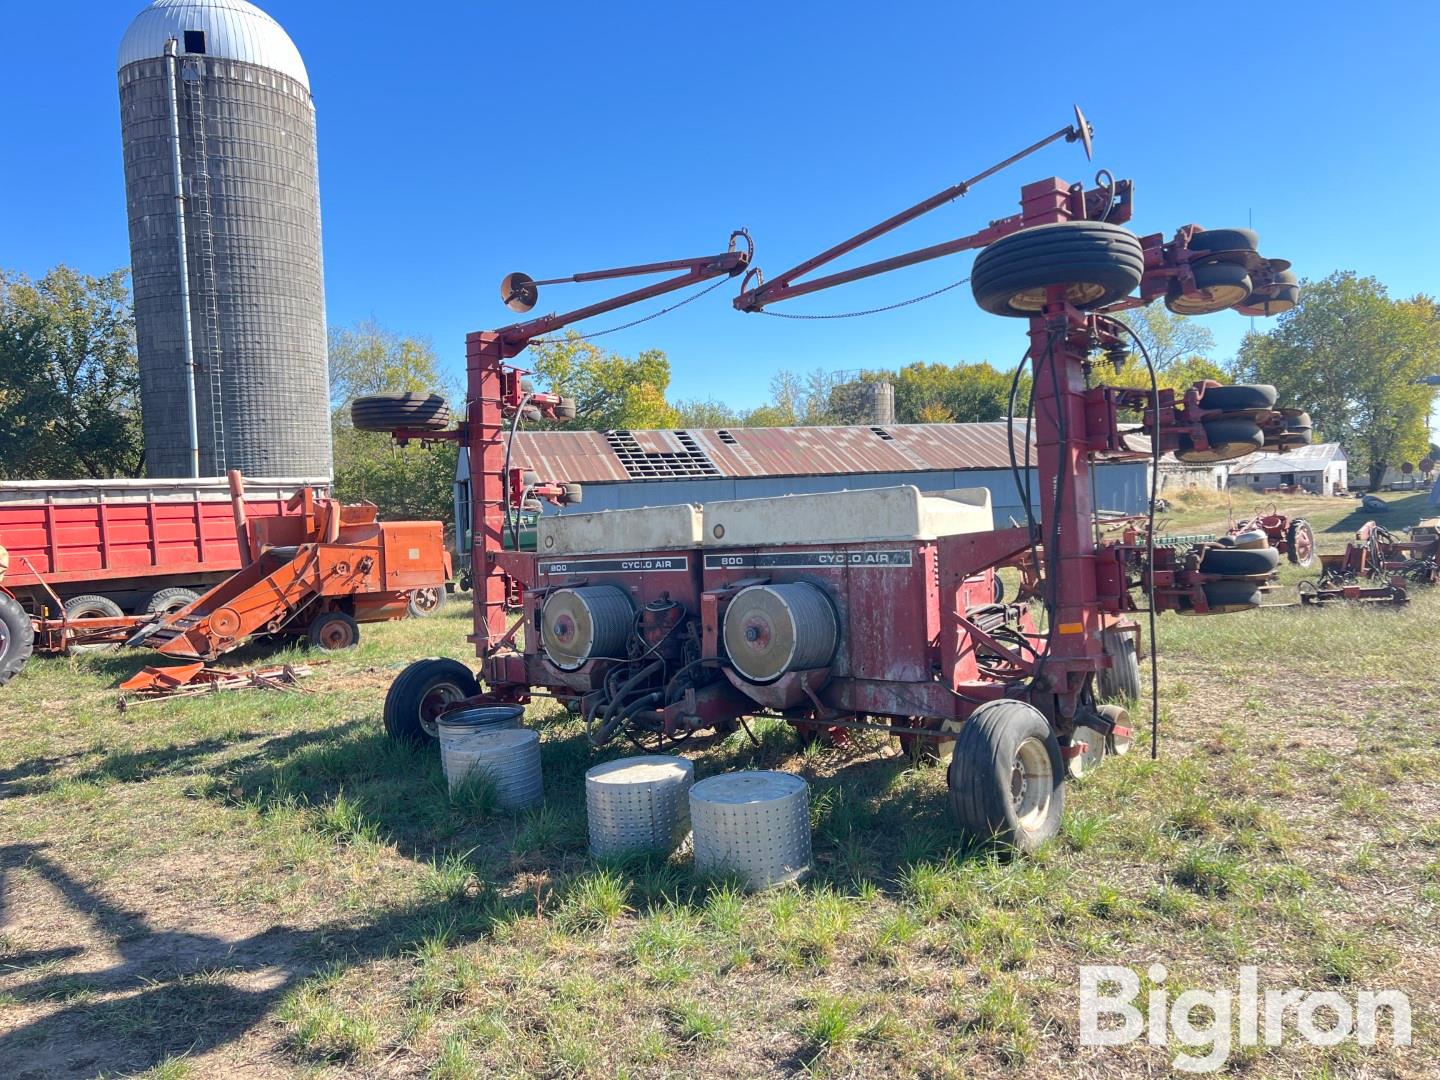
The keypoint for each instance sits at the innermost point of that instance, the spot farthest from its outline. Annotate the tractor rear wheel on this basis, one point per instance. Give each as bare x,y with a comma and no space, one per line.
1006,778
1097,263
1300,542
332,631
389,412
421,693
17,637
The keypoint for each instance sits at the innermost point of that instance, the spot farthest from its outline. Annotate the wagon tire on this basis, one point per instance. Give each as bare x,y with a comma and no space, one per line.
420,693
169,601
1300,543
1228,439
332,631
389,412
426,601
1096,262
1006,778
17,637
91,606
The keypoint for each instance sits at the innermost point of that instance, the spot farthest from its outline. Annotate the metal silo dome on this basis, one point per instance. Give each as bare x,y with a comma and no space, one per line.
215,108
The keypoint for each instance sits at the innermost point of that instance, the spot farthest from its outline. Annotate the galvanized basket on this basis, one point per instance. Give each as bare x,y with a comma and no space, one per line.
455,729
755,825
638,804
510,757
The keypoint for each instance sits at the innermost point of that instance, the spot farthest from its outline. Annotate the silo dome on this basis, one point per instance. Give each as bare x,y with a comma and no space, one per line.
228,280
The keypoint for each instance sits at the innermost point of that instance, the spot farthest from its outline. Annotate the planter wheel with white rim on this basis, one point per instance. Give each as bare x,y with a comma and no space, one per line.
93,607
1093,748
1117,743
1006,778
1218,286
331,631
1238,396
426,601
1240,562
169,601
389,412
17,637
1122,678
1300,542
1228,439
1095,262
421,693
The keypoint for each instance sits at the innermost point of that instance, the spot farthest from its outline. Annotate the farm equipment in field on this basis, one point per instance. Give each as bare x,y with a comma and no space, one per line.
320,571
1377,566
876,609
1291,537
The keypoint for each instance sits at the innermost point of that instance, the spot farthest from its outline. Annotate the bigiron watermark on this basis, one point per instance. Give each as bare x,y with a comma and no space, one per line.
1214,1021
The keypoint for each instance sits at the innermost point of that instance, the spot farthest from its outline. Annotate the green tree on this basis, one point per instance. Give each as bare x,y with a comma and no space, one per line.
1169,338
611,391
705,413
69,378
954,393
410,482
1353,357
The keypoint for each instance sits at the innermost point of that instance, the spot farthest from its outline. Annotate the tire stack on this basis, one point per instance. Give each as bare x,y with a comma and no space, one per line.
1240,570
1230,272
1236,431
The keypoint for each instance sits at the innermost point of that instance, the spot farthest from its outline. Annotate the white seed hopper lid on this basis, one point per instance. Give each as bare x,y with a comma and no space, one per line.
840,517
738,788
645,528
640,770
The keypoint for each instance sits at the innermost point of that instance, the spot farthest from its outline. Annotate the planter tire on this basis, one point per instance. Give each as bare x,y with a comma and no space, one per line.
1216,243
1096,262
1122,679
1228,439
1224,597
1238,397
420,693
388,412
1240,562
1218,286
1006,777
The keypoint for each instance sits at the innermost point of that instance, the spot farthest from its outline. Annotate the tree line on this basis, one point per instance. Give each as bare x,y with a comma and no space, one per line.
69,383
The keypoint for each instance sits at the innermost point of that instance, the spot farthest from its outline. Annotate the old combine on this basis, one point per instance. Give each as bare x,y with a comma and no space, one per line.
876,610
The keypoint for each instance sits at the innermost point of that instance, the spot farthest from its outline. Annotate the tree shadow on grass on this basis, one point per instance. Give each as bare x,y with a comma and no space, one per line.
1403,513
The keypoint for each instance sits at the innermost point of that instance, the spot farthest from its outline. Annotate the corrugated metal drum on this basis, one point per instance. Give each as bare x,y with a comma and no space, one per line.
753,824
772,629
458,728
638,804
510,756
585,623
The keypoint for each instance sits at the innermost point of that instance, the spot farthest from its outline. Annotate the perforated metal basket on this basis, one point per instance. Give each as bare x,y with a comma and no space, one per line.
638,804
510,757
755,825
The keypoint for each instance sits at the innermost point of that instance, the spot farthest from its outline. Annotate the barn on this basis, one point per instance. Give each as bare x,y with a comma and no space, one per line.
624,469
1320,469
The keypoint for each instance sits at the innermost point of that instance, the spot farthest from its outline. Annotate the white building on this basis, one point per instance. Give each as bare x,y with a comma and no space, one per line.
1321,469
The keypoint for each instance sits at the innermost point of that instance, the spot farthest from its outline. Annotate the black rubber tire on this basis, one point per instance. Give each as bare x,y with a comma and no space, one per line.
1219,286
426,601
1224,597
1228,439
1290,440
1122,680
333,631
91,606
1222,241
565,410
437,678
574,494
1239,396
982,776
1240,562
388,412
1098,263
1297,420
997,587
17,637
1300,529
169,601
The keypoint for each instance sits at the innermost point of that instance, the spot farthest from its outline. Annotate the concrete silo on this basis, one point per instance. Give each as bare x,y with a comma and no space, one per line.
221,187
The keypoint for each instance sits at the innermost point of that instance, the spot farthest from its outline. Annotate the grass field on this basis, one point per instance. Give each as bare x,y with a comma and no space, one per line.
262,885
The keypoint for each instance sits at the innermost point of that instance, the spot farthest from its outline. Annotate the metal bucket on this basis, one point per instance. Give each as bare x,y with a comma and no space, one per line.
638,804
457,728
509,756
752,824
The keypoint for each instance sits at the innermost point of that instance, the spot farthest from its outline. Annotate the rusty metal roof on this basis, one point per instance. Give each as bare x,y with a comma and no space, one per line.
611,457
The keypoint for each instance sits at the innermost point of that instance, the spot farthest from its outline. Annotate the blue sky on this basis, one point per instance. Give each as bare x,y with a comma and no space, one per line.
460,141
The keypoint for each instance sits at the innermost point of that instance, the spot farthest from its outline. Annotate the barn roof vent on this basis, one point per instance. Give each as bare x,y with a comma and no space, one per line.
662,455
883,434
